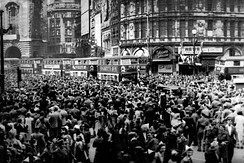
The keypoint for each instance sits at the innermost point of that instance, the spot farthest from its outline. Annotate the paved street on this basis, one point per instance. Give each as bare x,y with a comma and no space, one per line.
198,157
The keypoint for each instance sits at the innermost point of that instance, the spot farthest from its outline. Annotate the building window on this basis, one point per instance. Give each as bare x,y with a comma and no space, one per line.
224,5
239,5
236,63
150,29
170,28
182,28
138,7
239,28
210,25
137,30
169,5
161,5
69,32
68,23
232,29
182,5
13,17
57,22
58,32
162,28
52,32
155,6
190,27
209,5
225,28
232,6
144,30
57,40
232,52
200,4
155,29
190,4
242,29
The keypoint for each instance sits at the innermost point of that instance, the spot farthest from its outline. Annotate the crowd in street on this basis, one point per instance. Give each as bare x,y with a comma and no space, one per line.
53,119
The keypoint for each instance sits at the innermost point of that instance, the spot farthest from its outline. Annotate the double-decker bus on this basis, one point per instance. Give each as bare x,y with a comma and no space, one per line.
11,64
31,65
118,68
56,66
84,67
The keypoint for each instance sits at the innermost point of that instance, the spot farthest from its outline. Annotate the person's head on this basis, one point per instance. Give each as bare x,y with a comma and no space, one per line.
229,121
189,151
161,148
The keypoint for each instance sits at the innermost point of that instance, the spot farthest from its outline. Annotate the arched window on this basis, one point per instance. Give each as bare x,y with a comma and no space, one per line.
13,16
234,52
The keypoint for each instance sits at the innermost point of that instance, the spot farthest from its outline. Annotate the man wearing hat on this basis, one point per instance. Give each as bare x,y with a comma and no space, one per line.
189,153
201,124
239,121
232,139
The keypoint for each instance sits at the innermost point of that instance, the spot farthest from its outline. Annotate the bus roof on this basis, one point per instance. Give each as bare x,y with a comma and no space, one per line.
88,58
13,59
29,58
120,57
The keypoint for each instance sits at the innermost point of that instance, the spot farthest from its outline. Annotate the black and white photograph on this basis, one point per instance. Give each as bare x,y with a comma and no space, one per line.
121,81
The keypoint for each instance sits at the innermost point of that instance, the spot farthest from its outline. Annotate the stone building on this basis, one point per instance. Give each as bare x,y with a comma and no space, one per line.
61,27
178,36
28,37
164,28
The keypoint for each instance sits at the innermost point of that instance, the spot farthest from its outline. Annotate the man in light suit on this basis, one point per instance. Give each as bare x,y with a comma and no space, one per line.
232,139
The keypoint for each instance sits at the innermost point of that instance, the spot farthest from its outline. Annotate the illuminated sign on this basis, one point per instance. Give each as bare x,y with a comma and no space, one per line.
25,65
161,53
58,6
235,70
52,66
190,49
108,69
80,67
165,68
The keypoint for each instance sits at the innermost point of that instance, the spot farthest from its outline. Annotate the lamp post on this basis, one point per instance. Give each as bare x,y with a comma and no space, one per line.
2,32
194,32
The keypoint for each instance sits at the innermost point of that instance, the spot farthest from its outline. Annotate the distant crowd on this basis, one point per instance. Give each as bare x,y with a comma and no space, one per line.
159,118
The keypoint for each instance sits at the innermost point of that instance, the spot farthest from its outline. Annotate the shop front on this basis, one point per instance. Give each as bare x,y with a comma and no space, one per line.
201,60
162,61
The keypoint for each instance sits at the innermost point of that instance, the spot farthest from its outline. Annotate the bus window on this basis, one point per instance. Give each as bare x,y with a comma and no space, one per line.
116,62
133,61
125,61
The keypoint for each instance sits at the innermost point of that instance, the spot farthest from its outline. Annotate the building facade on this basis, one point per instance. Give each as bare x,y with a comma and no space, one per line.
82,30
61,27
163,29
28,37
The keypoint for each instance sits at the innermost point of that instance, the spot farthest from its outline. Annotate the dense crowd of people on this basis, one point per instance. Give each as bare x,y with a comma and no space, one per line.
157,119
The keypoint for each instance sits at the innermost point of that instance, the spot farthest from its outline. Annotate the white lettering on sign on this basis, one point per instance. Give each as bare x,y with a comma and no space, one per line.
93,62
52,66
165,68
25,65
108,68
190,49
79,67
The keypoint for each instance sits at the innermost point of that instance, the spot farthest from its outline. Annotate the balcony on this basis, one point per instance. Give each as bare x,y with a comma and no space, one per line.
63,6
11,37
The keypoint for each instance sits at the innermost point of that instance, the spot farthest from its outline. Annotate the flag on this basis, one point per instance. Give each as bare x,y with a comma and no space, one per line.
201,49
182,57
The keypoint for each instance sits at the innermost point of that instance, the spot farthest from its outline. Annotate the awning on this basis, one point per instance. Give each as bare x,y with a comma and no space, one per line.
161,60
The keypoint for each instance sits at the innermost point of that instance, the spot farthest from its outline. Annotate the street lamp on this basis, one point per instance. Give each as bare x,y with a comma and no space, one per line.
194,32
2,32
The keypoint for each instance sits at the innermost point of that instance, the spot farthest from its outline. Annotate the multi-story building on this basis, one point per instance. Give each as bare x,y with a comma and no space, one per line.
61,27
28,36
82,30
183,35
